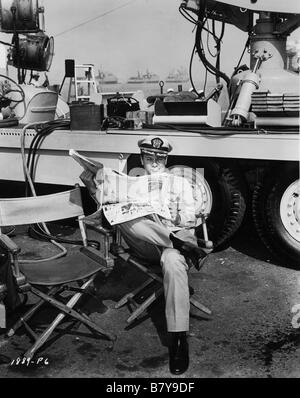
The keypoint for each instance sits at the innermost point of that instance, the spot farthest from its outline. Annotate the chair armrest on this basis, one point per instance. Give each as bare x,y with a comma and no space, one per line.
9,245
94,221
13,249
107,262
101,230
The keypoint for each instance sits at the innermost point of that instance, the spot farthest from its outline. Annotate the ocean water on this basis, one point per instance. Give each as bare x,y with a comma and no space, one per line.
150,89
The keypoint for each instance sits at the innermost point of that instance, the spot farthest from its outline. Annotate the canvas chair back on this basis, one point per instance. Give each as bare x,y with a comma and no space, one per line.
59,206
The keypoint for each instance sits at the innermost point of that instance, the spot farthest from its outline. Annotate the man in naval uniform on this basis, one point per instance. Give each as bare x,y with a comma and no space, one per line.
168,243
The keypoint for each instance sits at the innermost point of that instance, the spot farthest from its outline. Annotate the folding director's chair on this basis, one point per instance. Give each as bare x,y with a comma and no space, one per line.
47,280
113,248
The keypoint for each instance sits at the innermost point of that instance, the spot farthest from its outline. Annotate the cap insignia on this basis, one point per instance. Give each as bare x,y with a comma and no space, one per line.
157,143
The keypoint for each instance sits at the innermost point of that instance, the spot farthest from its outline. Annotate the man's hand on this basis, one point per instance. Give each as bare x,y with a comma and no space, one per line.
87,177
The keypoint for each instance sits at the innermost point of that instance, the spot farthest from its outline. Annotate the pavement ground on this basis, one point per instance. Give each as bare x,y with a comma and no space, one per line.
249,334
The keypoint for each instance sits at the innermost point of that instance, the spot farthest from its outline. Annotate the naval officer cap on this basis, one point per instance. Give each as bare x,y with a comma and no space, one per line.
154,144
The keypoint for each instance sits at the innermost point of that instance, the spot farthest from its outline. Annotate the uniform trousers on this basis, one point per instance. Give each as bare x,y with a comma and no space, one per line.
151,241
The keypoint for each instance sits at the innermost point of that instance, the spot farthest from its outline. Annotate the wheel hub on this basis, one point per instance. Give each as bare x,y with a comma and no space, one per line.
290,210
197,182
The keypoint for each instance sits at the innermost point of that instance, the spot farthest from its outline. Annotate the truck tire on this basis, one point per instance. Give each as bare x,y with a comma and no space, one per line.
276,213
229,198
229,195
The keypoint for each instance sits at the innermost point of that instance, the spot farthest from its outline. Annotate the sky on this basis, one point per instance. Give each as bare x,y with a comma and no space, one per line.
143,34
126,36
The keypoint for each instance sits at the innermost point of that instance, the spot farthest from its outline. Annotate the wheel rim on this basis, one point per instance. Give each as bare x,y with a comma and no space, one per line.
198,181
290,210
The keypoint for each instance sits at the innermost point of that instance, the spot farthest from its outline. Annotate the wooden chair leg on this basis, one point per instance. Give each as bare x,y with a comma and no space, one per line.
200,306
66,310
124,300
29,314
155,295
153,277
145,305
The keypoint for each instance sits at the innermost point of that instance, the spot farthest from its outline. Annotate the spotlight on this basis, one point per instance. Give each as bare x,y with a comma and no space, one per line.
35,52
19,16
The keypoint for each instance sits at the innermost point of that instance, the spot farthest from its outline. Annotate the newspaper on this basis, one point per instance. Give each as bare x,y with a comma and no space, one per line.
123,198
122,212
86,163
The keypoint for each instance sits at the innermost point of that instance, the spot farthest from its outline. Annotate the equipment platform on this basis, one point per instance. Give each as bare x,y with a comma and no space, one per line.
113,148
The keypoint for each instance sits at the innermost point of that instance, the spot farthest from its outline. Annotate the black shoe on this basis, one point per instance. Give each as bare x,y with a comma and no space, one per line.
179,353
196,254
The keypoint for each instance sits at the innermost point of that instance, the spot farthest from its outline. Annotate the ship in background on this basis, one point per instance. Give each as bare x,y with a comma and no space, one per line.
148,77
179,75
106,78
